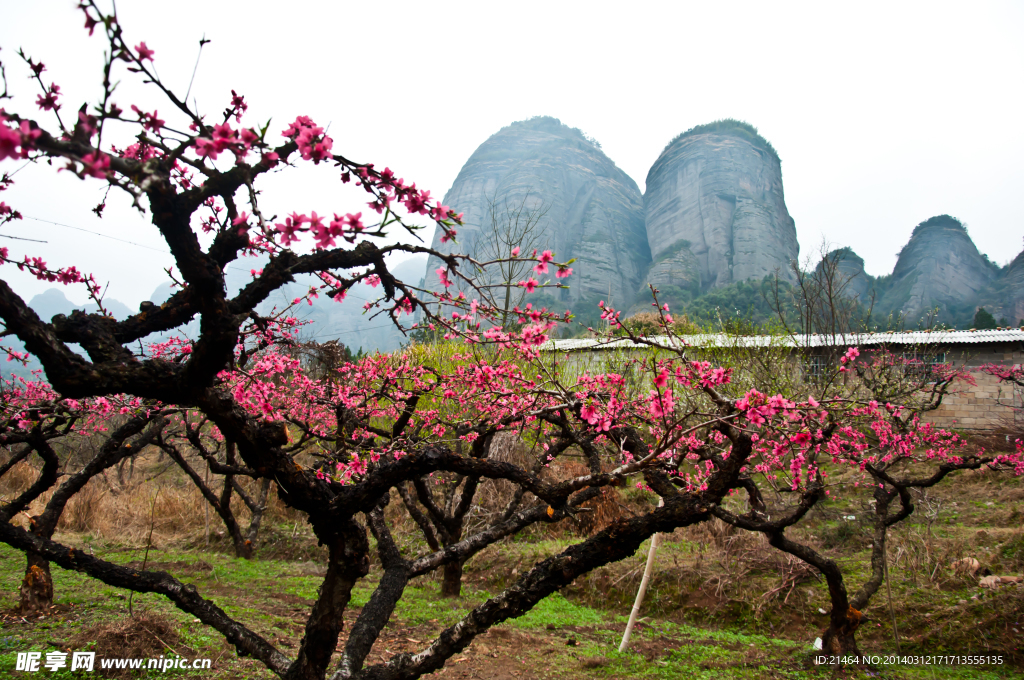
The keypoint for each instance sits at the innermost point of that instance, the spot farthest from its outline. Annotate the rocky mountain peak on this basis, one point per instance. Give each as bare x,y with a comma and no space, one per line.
1004,296
939,268
937,223
584,206
714,210
850,267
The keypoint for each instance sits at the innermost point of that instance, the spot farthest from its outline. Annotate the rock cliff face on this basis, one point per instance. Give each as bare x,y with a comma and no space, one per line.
849,266
1004,297
714,209
940,267
586,207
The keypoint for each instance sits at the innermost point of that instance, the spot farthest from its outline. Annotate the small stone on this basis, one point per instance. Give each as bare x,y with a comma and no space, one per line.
989,581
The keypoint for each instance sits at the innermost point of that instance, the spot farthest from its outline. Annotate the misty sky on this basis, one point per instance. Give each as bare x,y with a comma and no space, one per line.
884,114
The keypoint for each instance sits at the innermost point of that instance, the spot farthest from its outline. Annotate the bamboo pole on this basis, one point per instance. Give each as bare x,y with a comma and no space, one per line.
655,540
888,589
206,505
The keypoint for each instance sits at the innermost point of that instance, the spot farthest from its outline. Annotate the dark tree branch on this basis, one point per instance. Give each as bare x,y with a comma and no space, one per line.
246,642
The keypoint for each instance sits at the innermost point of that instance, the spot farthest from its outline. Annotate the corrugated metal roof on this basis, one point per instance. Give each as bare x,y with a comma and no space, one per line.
973,337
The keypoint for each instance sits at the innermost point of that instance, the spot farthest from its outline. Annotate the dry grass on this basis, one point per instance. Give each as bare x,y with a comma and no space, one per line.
119,505
145,636
17,479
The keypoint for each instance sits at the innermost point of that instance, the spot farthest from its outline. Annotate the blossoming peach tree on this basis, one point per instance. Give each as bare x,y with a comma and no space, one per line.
37,421
858,428
338,446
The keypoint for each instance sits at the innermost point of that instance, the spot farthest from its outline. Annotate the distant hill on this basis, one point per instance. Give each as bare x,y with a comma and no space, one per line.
710,232
584,206
715,213
715,224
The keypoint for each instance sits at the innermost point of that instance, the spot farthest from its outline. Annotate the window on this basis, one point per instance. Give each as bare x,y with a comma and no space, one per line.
815,368
922,365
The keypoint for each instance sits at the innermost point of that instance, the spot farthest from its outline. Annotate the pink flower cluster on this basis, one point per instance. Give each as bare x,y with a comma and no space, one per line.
390,189
347,227
150,121
314,145
48,100
17,140
225,138
610,315
66,275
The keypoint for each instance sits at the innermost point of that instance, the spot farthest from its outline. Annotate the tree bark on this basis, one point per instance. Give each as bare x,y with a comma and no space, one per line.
451,581
349,561
258,509
36,591
840,637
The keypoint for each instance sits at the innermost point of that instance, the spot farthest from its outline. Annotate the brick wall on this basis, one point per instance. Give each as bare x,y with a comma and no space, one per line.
985,405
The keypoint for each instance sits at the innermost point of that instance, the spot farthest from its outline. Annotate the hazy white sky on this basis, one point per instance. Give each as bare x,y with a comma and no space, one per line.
884,114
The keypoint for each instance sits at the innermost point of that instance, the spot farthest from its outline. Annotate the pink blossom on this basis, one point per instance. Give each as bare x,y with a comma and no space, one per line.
530,284
313,144
86,124
10,140
354,221
542,266
150,121
144,52
442,274
96,164
207,148
238,105
20,136
440,212
289,230
223,134
48,102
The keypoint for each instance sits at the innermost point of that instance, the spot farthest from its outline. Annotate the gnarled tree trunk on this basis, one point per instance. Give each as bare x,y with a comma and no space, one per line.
451,581
36,591
839,638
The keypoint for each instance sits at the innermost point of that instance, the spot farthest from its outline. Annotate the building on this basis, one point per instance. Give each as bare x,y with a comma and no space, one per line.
985,406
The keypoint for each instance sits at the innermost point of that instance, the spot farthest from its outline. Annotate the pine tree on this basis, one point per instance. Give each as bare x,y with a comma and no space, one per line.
983,320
